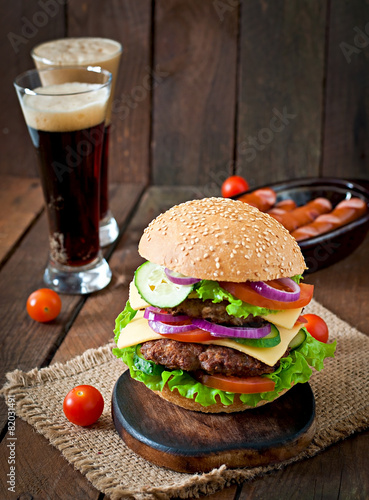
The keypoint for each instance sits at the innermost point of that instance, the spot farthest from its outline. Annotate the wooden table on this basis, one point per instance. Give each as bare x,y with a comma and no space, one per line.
339,472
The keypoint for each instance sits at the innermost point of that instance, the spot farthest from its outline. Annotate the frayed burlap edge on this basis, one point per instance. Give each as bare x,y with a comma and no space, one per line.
191,485
79,364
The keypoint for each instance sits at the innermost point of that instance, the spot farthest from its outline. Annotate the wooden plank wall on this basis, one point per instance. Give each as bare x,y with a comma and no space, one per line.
270,89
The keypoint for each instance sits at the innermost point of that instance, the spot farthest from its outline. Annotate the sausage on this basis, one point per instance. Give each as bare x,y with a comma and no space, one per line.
282,206
301,216
263,198
346,211
286,205
277,211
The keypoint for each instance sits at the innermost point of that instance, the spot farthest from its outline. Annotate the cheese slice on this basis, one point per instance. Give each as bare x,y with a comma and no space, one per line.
286,318
268,355
138,331
135,299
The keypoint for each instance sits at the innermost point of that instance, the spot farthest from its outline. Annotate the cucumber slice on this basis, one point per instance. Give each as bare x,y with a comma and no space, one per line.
145,365
154,286
272,339
298,339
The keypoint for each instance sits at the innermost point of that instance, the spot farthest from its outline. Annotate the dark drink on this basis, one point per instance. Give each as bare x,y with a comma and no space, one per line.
88,51
65,112
104,184
70,165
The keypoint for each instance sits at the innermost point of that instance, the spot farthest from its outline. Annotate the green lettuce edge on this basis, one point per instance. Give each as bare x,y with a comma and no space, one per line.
212,290
125,317
293,369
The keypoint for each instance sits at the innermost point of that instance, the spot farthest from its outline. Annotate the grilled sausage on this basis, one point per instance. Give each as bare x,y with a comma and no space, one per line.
346,211
303,215
263,198
286,205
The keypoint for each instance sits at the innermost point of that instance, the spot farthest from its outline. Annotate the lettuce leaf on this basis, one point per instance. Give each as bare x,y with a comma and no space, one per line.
123,319
294,368
297,278
212,290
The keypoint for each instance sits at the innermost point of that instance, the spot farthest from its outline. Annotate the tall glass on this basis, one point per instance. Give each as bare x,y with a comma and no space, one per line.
65,111
89,51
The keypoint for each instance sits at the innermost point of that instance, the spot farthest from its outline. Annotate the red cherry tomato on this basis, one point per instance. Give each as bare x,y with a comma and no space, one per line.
43,305
317,327
83,405
234,185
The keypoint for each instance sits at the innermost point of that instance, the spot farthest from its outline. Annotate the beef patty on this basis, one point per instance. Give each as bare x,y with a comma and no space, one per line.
216,313
212,359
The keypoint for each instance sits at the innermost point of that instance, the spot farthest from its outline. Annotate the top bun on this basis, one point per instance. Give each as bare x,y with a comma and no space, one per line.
220,239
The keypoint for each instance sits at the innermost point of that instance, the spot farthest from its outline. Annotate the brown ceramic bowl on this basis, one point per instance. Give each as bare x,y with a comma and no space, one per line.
326,249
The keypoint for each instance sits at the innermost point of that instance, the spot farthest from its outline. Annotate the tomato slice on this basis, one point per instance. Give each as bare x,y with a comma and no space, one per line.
244,292
238,385
196,335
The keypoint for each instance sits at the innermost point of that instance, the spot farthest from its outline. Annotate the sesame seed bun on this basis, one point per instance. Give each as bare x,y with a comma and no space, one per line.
190,404
221,239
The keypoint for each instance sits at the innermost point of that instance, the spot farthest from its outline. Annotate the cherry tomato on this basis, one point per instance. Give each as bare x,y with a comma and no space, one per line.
83,405
244,292
234,185
317,327
43,305
238,385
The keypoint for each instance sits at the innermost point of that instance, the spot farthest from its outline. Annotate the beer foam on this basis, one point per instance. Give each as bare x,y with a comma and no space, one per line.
77,51
81,51
65,107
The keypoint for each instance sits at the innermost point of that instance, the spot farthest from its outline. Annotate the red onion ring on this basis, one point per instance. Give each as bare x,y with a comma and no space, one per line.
267,291
235,331
155,314
179,280
163,328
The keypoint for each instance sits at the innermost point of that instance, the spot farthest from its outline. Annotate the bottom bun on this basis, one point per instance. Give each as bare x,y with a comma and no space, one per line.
190,404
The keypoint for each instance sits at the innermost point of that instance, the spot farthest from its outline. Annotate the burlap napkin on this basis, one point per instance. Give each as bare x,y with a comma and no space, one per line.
341,391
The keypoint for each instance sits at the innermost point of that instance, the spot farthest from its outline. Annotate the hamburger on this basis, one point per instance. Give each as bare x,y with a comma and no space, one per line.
213,321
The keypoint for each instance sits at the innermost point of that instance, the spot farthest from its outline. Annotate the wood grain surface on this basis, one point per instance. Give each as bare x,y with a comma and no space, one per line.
194,106
346,127
188,441
21,200
279,120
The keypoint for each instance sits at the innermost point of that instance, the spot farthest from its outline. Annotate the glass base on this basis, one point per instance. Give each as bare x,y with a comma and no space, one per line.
109,230
80,280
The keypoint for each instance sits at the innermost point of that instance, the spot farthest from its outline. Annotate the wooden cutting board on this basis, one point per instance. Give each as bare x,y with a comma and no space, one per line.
189,441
